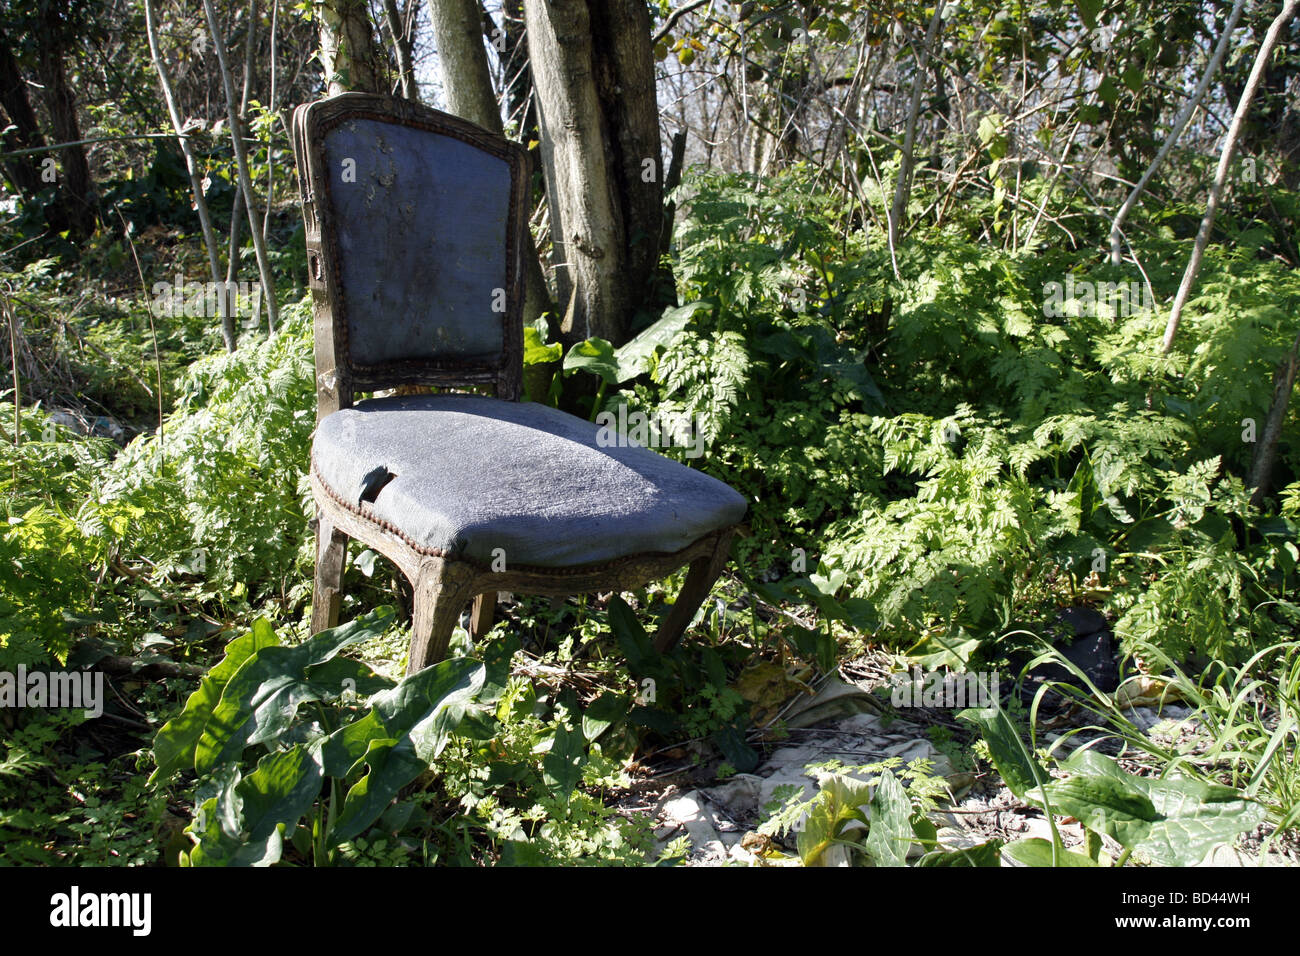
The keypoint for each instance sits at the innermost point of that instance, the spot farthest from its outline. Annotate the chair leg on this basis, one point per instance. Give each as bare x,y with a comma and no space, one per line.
441,590
699,581
480,622
327,594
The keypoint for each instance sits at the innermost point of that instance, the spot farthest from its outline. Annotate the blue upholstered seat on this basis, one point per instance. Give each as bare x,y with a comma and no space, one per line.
422,227
464,475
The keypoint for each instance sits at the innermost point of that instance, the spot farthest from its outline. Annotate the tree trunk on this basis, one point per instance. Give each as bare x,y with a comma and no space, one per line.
521,106
20,127
76,189
1261,468
593,70
467,86
348,50
466,82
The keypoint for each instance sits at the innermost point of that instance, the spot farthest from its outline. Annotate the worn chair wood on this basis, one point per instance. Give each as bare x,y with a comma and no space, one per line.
415,224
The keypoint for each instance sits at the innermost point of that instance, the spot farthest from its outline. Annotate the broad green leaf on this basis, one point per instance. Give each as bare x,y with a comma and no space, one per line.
632,639
986,854
602,713
404,732
563,763
522,853
365,562
813,644
787,345
730,739
217,847
341,675
846,367
175,743
633,358
437,696
537,352
244,823
952,650
281,789
1087,760
1019,770
1088,10
1105,804
388,761
260,701
836,805
479,723
989,126
1185,820
595,356
890,835
1036,851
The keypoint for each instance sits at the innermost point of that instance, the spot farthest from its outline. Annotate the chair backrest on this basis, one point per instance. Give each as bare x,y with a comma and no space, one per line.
415,225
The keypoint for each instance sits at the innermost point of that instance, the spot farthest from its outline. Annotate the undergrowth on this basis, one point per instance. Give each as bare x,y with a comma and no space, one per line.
935,462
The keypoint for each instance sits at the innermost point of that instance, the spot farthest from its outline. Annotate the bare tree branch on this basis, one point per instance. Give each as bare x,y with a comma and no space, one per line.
904,186
1180,123
241,162
1221,175
191,165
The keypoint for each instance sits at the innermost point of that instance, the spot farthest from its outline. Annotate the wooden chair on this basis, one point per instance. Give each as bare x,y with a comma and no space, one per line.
415,224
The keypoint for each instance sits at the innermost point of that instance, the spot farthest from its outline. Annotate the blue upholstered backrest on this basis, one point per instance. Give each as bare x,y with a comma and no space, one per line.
421,221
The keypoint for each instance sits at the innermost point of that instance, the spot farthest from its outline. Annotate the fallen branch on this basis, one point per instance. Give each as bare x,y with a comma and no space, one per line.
121,666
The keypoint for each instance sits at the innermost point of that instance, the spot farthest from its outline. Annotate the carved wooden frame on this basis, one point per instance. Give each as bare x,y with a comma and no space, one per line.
442,584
